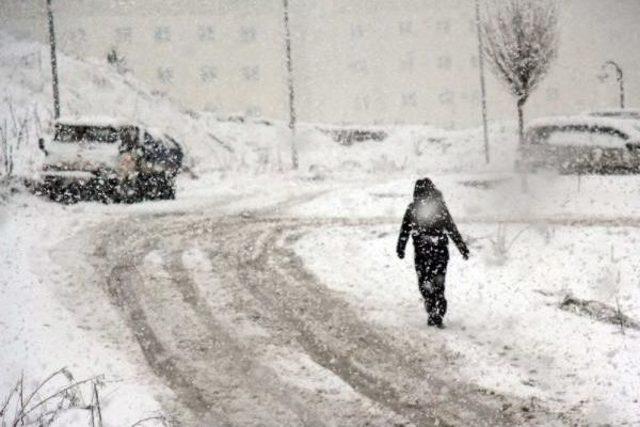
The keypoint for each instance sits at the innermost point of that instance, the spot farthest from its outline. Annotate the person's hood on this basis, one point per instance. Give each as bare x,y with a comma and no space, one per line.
425,190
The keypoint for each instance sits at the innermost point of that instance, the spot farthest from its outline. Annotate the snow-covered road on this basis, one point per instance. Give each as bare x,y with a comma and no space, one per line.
231,320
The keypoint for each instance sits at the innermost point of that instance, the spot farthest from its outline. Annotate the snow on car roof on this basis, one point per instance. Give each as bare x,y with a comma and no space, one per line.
615,111
156,132
98,121
629,127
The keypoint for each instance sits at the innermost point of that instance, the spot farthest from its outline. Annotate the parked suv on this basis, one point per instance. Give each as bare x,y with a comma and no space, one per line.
108,160
583,145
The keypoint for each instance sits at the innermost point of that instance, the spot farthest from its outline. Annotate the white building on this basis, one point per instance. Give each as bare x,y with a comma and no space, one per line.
355,61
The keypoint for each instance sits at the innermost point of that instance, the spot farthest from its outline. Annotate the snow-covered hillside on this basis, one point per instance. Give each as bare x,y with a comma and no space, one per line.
98,89
95,89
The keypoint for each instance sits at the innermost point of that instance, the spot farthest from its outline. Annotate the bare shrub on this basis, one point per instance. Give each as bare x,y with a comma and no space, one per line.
55,396
58,393
501,244
116,60
19,132
599,311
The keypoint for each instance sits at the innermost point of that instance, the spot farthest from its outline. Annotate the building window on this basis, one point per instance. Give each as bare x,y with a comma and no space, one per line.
124,35
247,34
407,62
206,33
162,34
444,62
253,111
409,100
251,73
473,28
405,27
74,37
359,67
31,60
165,75
208,74
471,97
446,97
357,31
473,61
444,26
362,103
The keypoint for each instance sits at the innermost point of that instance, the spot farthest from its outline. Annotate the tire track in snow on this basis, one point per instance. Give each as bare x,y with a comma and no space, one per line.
263,275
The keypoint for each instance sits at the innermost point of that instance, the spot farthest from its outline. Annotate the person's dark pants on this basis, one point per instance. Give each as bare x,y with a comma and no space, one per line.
431,266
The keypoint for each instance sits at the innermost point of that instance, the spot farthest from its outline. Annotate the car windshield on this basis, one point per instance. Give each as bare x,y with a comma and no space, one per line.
67,133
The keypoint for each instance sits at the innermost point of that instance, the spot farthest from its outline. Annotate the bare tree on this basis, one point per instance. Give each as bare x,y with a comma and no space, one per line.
520,43
290,86
54,62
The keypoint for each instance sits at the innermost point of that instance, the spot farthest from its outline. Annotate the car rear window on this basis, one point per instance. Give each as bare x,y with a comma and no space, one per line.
101,134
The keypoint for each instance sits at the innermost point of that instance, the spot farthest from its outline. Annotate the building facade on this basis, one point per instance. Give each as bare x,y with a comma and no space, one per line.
355,61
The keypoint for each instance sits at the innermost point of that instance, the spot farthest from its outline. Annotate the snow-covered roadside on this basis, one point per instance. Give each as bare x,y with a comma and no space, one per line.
41,334
488,197
53,311
506,330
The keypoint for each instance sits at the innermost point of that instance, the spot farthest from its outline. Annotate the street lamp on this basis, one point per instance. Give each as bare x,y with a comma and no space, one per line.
619,77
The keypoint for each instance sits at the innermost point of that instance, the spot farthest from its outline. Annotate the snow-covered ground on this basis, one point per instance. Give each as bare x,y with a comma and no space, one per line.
505,327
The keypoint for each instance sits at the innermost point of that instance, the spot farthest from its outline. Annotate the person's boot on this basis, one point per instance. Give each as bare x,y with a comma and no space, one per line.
437,321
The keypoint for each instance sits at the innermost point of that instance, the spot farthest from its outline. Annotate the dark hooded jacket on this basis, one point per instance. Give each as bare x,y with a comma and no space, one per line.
428,221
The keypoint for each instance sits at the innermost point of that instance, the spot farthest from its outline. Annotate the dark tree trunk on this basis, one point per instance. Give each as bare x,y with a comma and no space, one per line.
289,61
520,105
524,182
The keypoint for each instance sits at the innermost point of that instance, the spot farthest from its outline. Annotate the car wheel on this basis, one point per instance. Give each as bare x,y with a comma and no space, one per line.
170,189
159,187
134,191
126,190
70,194
104,190
145,185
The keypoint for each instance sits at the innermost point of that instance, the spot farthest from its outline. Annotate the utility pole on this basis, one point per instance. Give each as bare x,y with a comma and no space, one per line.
483,90
619,78
292,111
54,62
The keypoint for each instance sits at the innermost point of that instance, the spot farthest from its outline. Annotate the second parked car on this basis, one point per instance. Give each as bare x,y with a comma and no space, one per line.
583,145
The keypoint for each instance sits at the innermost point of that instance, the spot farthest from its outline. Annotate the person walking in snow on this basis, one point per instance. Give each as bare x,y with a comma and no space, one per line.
428,221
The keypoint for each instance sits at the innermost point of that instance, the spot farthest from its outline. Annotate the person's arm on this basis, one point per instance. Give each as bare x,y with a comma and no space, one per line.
454,233
405,231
